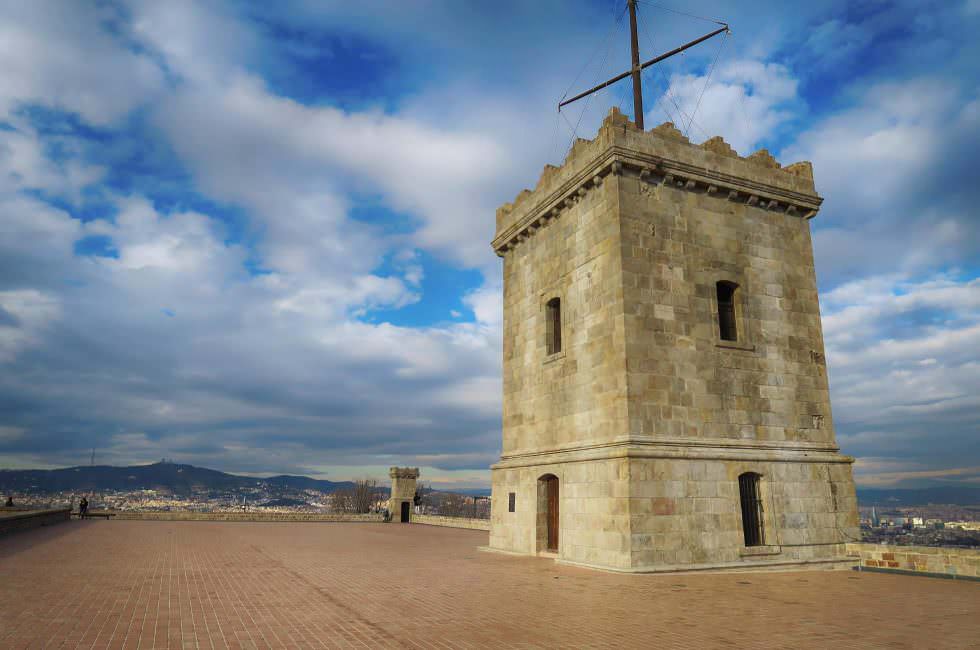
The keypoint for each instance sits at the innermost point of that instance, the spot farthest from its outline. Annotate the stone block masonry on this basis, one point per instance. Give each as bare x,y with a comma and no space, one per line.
681,415
452,522
940,561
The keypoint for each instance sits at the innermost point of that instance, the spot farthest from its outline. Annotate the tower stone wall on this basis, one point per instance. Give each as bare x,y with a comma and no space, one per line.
647,416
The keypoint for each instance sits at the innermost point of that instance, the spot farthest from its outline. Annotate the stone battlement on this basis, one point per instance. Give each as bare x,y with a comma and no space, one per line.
403,472
662,155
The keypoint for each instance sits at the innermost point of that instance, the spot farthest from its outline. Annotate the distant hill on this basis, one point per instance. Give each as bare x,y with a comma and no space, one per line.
177,478
470,492
946,495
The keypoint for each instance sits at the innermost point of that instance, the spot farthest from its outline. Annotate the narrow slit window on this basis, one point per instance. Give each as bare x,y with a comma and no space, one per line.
748,489
511,502
727,328
553,317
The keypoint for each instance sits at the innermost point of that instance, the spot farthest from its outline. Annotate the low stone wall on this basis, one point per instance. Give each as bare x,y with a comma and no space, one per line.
952,562
15,520
451,522
176,515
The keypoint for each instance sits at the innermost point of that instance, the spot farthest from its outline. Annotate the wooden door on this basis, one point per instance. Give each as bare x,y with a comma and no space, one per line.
405,511
552,483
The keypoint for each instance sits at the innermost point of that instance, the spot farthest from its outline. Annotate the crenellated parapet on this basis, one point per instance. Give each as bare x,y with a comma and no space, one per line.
662,155
404,472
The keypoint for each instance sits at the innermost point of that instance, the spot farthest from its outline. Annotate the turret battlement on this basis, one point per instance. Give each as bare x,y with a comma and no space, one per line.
660,155
404,472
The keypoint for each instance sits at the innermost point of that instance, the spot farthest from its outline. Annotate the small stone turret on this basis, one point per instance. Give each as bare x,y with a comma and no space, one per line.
403,481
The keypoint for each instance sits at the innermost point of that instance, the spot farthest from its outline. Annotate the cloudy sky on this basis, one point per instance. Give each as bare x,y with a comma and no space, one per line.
255,237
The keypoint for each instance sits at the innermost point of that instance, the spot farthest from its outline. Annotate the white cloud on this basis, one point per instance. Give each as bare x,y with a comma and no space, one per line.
23,316
174,349
26,165
745,101
40,62
292,164
8,434
870,151
904,367
487,304
182,243
892,167
834,42
173,337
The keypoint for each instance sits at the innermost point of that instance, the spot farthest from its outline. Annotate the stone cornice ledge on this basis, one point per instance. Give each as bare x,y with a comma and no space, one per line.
654,169
682,449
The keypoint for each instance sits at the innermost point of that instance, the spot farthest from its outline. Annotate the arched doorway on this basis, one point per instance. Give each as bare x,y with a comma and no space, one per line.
548,513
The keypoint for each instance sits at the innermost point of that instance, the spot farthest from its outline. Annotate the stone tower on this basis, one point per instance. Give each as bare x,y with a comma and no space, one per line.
403,481
665,393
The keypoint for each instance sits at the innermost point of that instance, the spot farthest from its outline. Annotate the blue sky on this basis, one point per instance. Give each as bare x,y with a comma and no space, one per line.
255,236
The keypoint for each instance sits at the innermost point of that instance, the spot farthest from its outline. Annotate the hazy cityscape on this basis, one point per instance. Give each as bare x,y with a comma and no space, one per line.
931,525
167,486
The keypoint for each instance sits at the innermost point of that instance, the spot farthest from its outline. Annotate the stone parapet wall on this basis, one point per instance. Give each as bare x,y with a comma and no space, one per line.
12,520
958,562
242,516
452,522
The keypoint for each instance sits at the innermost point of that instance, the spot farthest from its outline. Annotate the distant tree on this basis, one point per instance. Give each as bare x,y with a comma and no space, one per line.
454,505
451,504
423,495
359,498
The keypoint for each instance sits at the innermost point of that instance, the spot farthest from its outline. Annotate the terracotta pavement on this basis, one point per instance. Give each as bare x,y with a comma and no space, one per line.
147,584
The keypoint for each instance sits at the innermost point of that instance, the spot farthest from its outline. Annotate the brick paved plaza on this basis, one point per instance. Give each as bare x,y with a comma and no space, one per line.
129,584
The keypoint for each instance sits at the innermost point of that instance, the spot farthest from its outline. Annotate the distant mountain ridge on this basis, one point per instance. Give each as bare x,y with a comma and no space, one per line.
946,495
175,477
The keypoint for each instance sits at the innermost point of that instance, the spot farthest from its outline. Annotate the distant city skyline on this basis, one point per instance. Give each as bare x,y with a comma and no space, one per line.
259,241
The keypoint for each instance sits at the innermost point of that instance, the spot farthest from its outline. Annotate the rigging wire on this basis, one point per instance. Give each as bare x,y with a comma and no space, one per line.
745,113
588,101
554,137
680,111
682,13
603,43
707,80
